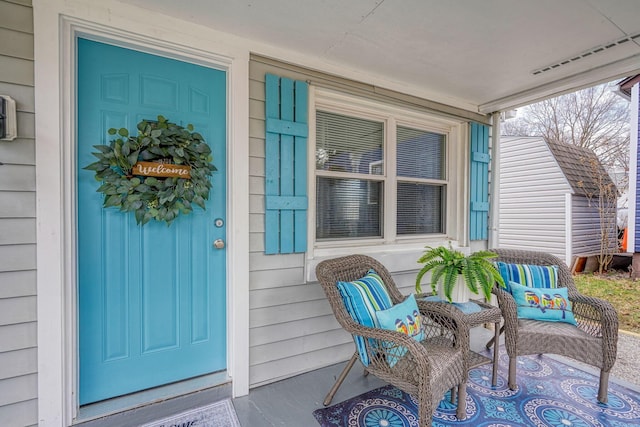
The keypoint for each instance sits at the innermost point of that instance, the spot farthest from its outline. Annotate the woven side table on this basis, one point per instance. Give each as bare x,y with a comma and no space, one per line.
487,314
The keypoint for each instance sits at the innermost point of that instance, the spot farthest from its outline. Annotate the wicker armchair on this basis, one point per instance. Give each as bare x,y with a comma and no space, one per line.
594,341
429,368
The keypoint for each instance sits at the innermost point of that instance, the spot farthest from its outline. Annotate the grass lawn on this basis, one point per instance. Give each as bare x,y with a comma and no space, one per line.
619,290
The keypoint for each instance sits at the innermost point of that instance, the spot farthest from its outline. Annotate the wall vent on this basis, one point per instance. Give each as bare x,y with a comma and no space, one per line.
593,51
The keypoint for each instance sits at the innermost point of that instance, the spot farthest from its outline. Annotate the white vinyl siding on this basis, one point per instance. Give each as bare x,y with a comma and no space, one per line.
289,321
532,197
18,342
586,227
292,327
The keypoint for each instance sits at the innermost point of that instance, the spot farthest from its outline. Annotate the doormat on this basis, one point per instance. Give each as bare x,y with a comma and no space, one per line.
218,414
550,393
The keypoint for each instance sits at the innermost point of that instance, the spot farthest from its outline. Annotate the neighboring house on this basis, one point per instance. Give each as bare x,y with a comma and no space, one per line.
326,143
549,197
630,88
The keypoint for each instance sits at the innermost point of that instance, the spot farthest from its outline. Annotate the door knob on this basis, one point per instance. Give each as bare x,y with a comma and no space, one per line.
218,243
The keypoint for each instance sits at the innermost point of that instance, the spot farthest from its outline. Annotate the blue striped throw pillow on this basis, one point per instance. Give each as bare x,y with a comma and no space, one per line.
533,276
362,298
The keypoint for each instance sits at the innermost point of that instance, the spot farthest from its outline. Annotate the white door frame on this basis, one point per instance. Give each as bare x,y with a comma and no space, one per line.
57,25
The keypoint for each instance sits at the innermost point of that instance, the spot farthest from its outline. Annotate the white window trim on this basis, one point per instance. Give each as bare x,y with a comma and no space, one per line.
401,253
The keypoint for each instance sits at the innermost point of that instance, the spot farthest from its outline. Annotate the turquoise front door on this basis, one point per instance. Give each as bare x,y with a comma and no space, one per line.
152,298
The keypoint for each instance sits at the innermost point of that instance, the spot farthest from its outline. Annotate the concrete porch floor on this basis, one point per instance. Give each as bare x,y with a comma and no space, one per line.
290,402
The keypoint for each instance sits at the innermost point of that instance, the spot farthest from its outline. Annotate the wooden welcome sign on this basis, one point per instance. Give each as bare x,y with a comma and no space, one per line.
165,170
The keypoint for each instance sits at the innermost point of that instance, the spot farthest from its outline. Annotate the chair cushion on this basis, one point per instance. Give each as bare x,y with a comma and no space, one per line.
362,298
403,317
534,276
542,304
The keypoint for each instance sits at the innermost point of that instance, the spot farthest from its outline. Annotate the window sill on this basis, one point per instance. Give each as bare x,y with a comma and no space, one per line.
397,258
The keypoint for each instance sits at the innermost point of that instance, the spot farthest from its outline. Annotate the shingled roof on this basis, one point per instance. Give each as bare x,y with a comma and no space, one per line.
581,167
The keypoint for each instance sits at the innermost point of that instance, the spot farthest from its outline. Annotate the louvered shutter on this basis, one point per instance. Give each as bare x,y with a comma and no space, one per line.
286,165
479,185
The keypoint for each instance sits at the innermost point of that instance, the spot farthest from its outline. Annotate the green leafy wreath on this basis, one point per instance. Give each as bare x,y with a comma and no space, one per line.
150,197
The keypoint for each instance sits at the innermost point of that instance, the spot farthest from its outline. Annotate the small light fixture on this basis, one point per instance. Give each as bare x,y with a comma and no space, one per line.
508,114
8,127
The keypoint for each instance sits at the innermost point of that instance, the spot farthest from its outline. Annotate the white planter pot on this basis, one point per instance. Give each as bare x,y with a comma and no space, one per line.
460,292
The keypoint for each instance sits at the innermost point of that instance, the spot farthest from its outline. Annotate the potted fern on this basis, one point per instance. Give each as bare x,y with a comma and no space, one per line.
452,270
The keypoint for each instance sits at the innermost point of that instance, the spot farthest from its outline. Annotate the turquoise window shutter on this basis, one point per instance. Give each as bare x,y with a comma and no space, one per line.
286,165
479,176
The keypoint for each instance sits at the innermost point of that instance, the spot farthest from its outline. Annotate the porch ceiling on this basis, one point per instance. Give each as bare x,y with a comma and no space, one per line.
487,55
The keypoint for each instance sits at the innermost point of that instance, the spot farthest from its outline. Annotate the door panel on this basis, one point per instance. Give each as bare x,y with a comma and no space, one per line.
152,298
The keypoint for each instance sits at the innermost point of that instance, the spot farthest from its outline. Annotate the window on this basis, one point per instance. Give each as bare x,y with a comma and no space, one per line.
349,177
421,184
379,175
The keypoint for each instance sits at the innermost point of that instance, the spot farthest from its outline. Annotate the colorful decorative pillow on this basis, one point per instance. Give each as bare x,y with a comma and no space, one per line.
534,276
362,298
552,305
403,317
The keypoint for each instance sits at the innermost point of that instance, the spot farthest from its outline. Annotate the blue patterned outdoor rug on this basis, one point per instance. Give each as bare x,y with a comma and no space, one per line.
550,393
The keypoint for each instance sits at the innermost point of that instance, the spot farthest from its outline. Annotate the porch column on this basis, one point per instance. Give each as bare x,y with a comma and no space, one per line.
494,182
